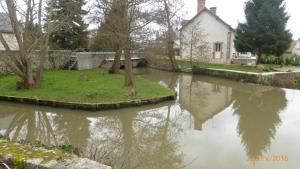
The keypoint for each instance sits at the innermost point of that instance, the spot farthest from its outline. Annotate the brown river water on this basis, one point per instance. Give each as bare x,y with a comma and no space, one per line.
214,123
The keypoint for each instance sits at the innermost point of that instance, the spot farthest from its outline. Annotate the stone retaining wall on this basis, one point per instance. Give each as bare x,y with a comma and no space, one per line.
27,157
88,106
279,79
57,59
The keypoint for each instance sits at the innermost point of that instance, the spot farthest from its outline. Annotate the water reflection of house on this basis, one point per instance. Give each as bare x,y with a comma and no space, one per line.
202,99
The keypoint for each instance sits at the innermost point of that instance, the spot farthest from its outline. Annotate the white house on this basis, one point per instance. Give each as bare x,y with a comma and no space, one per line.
295,47
7,32
207,38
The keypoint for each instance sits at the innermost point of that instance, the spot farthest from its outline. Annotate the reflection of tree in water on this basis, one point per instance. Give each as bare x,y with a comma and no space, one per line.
72,129
168,79
142,140
49,128
258,113
32,126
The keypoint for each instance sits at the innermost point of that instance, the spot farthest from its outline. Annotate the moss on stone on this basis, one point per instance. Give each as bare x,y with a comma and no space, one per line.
21,153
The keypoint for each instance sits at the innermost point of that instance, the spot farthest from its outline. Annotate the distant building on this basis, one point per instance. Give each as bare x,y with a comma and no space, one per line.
7,32
294,47
218,35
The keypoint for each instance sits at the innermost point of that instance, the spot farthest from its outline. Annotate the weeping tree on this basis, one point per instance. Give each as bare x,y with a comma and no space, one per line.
264,31
30,35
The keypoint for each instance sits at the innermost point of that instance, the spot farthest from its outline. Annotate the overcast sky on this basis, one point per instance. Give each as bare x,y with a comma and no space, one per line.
232,12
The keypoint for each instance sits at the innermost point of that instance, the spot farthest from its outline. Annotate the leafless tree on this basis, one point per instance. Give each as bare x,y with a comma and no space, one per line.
194,39
138,17
30,36
167,17
110,15
126,20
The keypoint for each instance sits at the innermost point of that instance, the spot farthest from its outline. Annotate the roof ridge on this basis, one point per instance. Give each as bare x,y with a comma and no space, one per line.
206,9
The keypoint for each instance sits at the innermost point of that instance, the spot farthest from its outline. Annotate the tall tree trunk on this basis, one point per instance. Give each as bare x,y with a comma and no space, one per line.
171,55
117,62
170,41
128,72
128,68
259,55
29,81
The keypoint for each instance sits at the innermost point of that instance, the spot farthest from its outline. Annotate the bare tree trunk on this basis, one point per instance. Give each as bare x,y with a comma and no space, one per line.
28,39
128,72
128,68
170,41
258,60
117,62
171,54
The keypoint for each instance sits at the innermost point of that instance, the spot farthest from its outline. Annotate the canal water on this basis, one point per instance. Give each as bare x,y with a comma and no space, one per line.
214,123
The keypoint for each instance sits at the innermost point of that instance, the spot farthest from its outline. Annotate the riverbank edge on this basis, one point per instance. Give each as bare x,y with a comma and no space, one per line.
276,79
289,80
88,106
67,161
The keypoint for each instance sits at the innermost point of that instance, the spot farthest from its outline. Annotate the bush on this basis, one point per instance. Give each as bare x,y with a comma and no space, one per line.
286,59
296,61
260,68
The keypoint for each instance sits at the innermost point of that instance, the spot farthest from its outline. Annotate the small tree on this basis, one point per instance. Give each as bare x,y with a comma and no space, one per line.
30,36
194,39
70,30
265,29
167,18
110,32
123,23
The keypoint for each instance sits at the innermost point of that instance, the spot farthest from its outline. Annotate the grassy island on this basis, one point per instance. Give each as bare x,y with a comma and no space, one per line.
88,86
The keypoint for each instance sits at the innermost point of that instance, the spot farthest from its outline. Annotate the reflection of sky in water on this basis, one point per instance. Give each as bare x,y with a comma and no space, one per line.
214,124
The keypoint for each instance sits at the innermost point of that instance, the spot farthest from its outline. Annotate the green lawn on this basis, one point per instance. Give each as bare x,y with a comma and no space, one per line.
253,69
96,87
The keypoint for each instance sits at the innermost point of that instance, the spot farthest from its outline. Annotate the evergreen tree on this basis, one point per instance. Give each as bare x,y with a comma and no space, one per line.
265,29
70,30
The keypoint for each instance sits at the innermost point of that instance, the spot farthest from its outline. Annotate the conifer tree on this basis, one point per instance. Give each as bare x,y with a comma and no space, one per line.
264,31
70,30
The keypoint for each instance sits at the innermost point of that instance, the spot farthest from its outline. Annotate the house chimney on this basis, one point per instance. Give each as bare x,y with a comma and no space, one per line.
213,10
201,5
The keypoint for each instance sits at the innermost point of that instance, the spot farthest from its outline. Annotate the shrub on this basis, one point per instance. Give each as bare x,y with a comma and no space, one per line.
286,59
260,68
296,60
